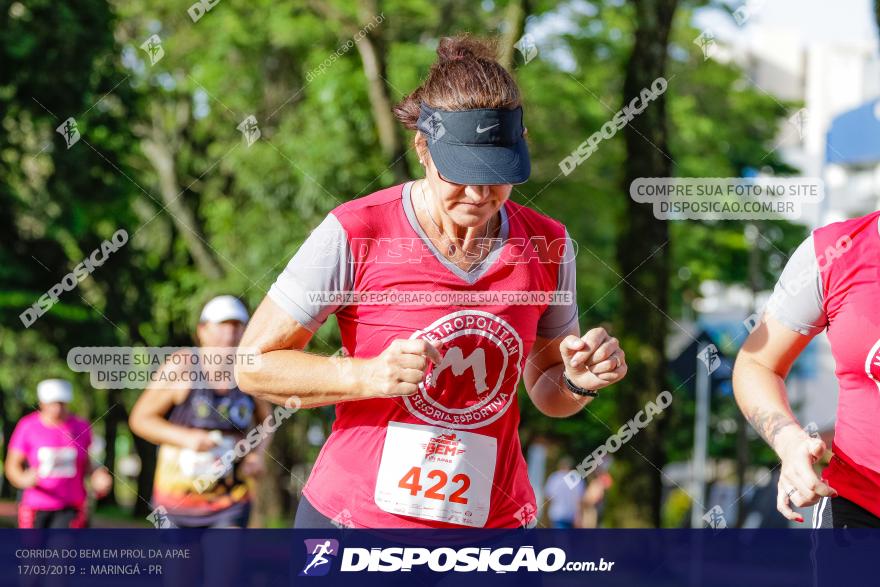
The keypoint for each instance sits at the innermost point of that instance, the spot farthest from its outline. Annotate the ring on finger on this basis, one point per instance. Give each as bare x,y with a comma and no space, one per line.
790,492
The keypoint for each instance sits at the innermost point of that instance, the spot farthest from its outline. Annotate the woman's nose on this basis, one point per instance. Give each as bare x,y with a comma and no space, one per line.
479,192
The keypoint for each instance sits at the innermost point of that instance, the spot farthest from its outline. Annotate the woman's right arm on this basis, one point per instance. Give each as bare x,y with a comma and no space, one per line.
795,314
759,387
282,370
283,324
18,474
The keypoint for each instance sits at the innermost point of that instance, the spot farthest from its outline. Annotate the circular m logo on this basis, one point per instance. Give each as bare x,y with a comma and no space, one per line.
476,380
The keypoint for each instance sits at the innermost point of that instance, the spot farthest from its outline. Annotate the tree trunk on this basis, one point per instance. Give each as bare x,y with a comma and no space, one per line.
115,414
515,24
162,160
6,427
11,397
147,454
643,255
371,47
370,43
145,451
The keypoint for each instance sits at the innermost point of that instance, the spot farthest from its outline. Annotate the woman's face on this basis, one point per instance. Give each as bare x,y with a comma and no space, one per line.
220,334
468,206
54,411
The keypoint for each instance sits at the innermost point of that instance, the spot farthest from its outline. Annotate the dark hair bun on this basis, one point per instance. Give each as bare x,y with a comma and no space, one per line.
466,75
465,47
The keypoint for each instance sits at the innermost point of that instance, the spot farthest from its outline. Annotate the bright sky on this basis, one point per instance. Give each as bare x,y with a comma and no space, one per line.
840,21
818,20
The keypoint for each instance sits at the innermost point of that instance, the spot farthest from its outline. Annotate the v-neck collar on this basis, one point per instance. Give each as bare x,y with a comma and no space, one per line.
479,270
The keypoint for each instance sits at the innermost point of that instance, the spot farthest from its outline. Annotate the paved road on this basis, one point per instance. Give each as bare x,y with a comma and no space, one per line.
8,517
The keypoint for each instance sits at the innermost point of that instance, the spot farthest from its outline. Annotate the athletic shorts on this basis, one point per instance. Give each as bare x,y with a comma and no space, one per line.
73,517
236,516
838,512
308,517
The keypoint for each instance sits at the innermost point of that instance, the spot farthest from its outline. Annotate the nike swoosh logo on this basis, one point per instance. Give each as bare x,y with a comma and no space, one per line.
479,129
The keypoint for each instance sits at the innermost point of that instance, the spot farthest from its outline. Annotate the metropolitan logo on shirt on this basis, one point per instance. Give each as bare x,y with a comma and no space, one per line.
476,380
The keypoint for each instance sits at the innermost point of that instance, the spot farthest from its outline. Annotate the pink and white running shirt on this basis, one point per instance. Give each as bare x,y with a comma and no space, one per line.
833,282
448,455
60,456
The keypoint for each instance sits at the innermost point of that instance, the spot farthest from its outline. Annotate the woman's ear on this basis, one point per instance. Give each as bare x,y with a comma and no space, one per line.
421,145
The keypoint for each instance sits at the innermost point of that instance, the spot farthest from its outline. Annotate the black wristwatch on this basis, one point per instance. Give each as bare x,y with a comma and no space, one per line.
579,390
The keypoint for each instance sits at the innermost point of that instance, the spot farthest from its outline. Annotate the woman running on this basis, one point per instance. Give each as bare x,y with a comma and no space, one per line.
197,426
435,345
831,284
48,459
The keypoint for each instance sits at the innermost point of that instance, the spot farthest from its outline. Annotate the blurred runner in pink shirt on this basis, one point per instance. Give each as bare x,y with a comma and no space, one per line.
48,458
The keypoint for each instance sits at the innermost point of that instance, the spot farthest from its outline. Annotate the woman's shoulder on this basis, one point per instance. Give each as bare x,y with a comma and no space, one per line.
535,222
851,226
80,423
28,420
363,217
376,202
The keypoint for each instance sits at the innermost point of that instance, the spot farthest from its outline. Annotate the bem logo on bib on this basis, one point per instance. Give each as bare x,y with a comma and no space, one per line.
477,378
443,445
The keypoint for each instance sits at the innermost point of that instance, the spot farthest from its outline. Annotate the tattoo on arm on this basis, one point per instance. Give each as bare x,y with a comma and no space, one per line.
769,424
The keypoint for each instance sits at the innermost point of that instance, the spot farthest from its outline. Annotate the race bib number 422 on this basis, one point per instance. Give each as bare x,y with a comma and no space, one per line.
436,473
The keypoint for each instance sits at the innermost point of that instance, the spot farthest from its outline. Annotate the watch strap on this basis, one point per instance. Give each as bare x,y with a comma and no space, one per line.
577,389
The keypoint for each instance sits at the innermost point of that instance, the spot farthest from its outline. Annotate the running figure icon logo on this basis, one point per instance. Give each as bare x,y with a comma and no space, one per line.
319,553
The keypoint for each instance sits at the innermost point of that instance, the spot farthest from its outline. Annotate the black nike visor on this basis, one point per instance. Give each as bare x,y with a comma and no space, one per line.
482,146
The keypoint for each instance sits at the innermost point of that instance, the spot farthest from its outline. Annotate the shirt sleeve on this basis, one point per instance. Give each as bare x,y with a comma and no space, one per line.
558,319
322,264
19,441
797,299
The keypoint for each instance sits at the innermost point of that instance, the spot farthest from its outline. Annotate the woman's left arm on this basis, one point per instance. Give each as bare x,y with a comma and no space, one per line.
99,476
592,361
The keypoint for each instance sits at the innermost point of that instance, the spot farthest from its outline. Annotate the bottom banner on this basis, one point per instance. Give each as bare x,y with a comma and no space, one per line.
536,557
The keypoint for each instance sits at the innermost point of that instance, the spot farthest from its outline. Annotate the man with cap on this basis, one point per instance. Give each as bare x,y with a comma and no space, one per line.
199,418
465,293
48,458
